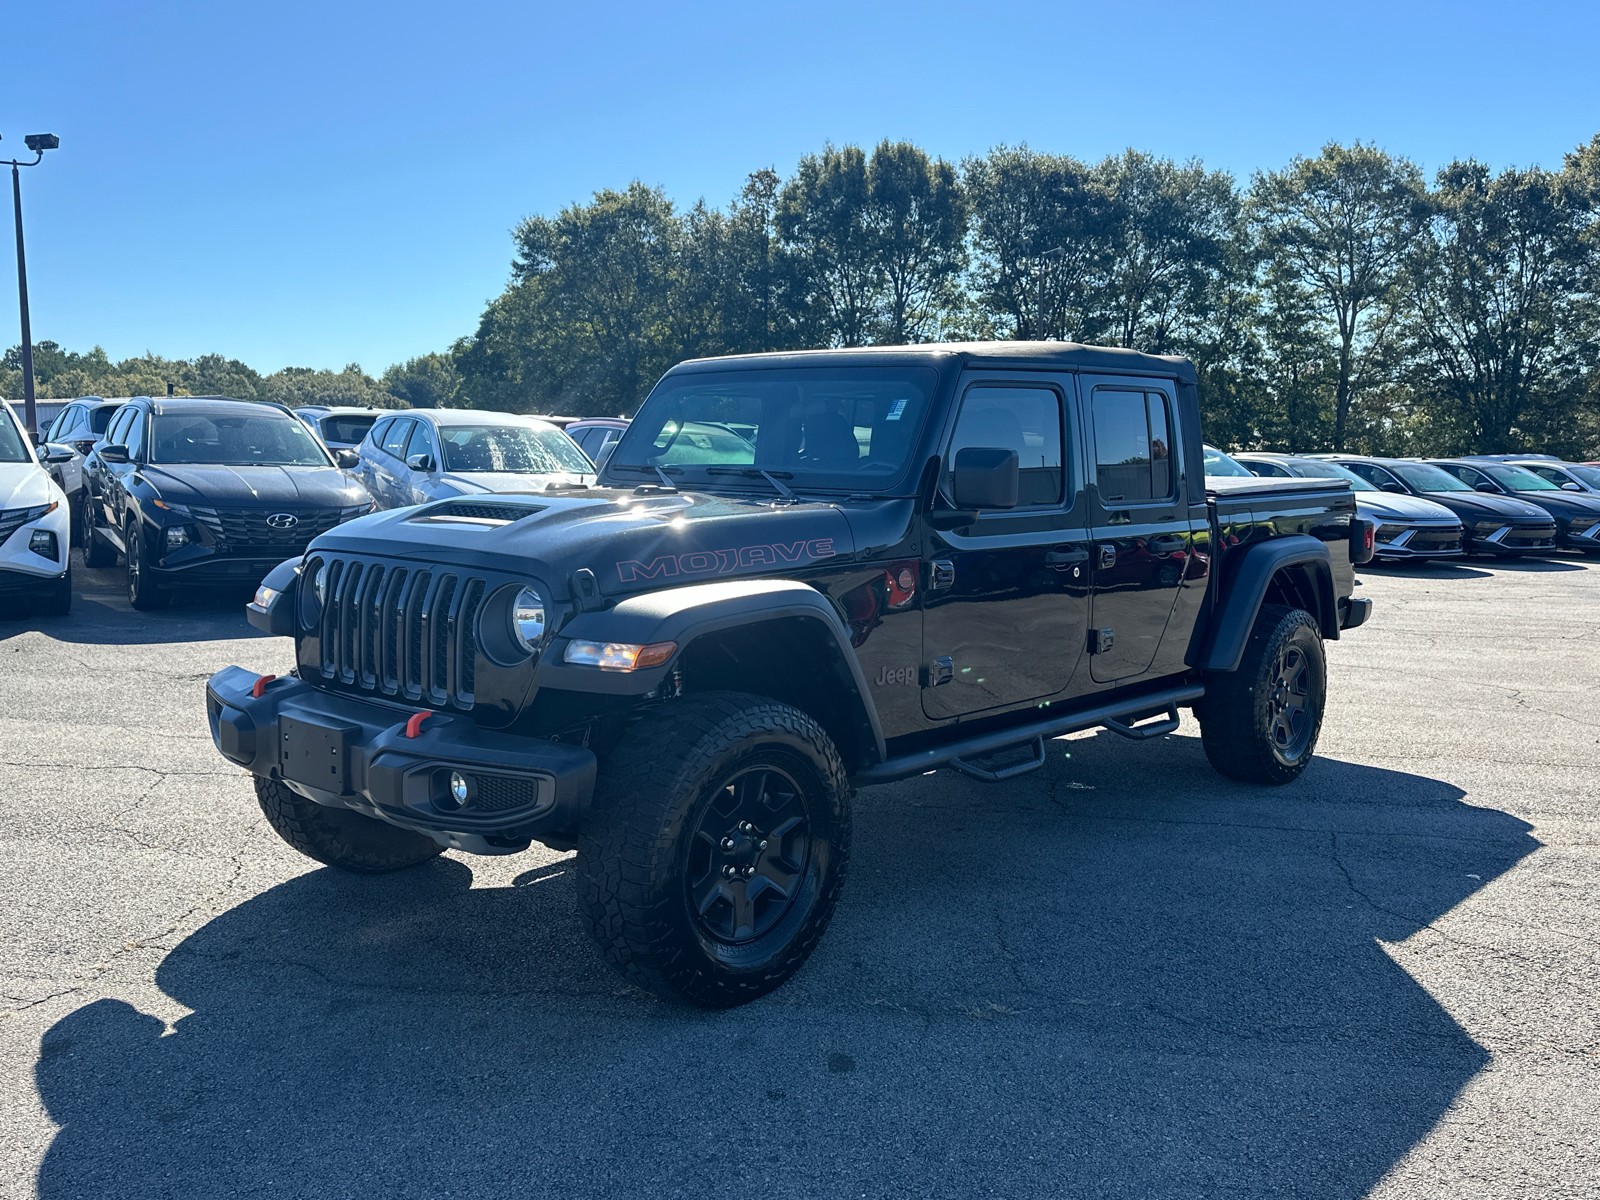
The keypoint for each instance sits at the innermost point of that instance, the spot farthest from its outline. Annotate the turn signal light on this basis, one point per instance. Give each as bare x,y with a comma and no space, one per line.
619,656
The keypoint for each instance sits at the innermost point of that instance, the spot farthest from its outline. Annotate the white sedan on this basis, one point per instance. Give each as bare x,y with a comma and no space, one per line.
35,530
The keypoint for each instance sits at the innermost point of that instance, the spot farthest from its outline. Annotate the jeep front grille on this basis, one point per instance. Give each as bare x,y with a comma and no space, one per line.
401,631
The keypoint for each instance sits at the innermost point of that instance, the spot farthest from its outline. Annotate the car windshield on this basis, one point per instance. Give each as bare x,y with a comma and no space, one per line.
511,448
1426,478
1218,463
266,439
100,418
849,428
1518,479
12,448
1315,468
349,429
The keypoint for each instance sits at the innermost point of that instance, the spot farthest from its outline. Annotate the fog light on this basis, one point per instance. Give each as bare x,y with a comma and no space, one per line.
177,535
43,542
460,792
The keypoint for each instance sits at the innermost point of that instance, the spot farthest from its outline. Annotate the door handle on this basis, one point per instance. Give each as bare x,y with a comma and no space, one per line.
1062,559
1167,544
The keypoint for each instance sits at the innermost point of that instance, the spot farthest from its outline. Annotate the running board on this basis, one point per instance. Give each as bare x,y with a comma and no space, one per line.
994,774
1114,716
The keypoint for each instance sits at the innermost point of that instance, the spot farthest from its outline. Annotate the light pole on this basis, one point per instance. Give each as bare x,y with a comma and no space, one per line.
1053,252
38,143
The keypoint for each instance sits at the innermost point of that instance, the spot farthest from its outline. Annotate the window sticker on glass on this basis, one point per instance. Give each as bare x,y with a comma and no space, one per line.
896,411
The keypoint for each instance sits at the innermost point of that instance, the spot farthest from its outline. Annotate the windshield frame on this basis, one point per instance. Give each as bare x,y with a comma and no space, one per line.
268,413
629,467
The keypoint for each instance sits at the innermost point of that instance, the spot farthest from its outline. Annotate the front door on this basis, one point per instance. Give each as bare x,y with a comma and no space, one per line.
1006,599
1138,520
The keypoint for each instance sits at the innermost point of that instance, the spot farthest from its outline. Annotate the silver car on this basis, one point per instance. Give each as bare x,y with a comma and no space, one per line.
1408,526
438,454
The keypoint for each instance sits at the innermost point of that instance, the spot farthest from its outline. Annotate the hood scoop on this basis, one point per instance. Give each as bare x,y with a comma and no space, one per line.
469,512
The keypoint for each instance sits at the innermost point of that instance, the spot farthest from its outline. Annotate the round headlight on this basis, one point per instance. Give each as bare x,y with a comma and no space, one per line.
527,619
320,584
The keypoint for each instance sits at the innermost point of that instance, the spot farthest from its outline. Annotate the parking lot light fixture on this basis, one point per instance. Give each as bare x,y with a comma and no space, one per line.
38,143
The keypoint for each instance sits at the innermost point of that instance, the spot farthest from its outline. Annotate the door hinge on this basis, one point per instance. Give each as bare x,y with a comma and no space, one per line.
943,670
1101,640
1108,557
941,574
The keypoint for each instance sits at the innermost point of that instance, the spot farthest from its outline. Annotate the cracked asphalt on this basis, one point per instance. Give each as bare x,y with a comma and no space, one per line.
1119,976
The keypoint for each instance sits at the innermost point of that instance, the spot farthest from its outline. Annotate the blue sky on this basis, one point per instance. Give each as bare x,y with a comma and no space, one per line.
312,184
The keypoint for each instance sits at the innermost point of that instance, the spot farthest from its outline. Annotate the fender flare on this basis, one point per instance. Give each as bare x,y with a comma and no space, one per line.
685,614
278,617
1250,571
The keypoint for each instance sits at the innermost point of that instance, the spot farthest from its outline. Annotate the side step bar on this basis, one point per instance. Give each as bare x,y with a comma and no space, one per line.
1114,716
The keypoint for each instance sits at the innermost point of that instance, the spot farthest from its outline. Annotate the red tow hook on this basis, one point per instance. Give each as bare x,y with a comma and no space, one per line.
260,685
414,725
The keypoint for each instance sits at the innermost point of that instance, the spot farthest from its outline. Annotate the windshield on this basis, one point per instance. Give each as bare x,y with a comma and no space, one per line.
263,439
850,428
1427,479
346,429
1315,468
12,448
511,448
1518,479
1218,463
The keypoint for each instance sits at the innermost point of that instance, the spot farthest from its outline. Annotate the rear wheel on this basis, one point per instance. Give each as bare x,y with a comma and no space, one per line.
339,837
1260,723
714,856
143,594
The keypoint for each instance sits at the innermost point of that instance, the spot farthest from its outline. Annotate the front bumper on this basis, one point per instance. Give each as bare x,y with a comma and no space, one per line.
1354,611
1514,540
354,754
1417,541
26,583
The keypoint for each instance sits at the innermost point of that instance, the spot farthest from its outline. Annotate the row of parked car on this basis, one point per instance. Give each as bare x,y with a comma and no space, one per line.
209,490
1496,504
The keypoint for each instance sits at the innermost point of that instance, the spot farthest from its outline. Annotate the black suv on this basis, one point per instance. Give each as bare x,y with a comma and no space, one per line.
208,491
798,575
1577,516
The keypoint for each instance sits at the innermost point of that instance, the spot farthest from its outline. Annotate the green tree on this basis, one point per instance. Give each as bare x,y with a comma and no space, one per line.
351,387
917,218
427,381
824,219
1340,227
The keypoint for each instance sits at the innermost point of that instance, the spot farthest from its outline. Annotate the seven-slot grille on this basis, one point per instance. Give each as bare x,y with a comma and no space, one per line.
248,528
402,630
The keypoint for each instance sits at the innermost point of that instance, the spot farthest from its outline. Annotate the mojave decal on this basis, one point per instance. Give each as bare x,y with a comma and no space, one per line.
721,562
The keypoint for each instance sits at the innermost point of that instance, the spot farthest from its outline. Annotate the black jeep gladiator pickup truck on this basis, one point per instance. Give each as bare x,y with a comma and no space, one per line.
798,574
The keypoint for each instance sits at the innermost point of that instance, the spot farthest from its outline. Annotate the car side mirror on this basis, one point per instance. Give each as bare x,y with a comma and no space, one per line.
1569,486
114,454
55,452
1486,486
420,462
985,477
1393,487
346,458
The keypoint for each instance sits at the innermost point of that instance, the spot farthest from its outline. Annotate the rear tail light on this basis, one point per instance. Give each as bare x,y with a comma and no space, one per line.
1363,537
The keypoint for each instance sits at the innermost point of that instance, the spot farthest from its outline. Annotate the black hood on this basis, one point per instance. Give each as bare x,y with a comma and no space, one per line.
631,543
254,487
1565,505
1480,506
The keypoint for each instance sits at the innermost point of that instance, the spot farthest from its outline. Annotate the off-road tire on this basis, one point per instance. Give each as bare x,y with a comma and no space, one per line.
96,551
338,837
57,602
661,789
143,594
1240,712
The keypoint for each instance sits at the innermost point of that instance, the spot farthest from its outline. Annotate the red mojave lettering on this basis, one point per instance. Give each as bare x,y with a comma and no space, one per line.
721,562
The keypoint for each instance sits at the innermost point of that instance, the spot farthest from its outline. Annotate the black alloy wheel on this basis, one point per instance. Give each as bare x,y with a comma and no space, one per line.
1259,723
1291,722
97,552
143,594
748,855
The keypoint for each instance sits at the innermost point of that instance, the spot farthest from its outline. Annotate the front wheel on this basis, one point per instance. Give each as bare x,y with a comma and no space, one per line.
97,552
338,837
714,856
143,593
1260,723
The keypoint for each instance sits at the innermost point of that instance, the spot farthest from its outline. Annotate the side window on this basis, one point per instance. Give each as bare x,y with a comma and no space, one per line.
421,441
394,442
1550,473
378,432
1270,470
1133,445
1374,473
1466,474
119,427
589,439
64,422
135,436
1024,419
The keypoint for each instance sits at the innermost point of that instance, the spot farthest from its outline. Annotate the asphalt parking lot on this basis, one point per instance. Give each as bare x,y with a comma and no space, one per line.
1120,976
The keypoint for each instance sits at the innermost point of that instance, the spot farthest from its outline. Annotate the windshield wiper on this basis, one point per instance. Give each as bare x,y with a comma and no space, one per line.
659,472
771,477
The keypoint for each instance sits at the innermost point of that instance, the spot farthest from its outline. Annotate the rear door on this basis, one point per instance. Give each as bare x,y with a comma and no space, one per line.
1006,601
388,465
418,485
1139,521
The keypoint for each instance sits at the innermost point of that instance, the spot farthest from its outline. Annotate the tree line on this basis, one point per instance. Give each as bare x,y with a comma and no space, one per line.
1341,302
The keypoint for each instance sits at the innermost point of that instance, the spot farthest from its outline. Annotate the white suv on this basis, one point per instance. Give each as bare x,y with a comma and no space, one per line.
35,541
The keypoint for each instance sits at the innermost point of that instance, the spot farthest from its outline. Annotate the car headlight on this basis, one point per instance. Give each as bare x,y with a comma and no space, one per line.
528,619
320,584
177,510
618,656
265,596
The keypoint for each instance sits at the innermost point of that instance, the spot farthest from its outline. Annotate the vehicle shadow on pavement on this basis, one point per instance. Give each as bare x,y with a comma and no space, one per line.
101,615
1119,976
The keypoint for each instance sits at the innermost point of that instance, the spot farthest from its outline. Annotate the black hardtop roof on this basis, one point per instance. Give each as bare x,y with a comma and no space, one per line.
1052,355
209,404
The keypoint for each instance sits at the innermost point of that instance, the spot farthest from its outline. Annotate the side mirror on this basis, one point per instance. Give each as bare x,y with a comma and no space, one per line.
1569,486
1486,486
985,477
114,454
420,462
55,452
346,458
